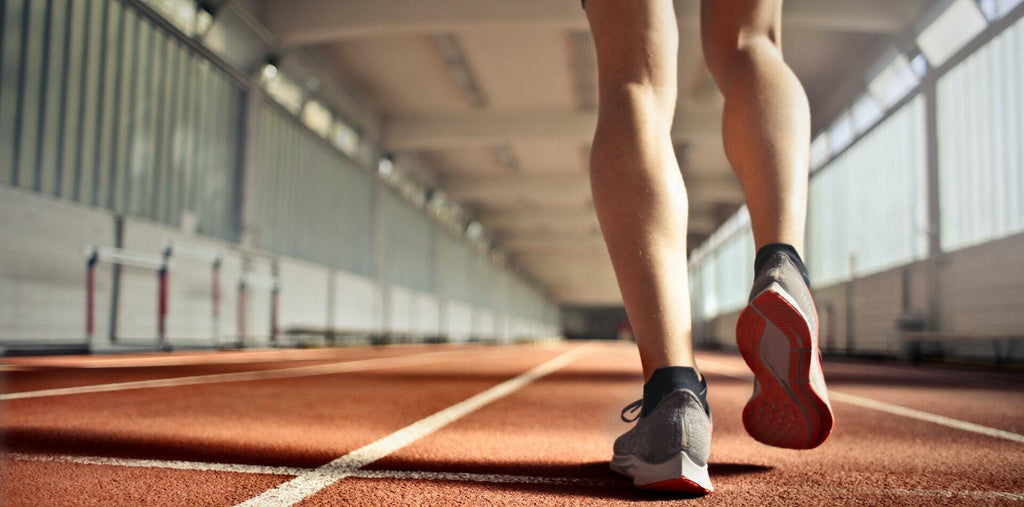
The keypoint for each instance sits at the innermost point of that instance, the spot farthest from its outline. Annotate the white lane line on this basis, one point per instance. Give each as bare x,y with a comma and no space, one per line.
250,356
298,371
921,415
483,478
199,466
881,406
310,483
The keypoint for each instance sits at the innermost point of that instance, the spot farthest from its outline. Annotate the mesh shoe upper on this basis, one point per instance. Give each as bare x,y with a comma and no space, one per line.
779,269
678,424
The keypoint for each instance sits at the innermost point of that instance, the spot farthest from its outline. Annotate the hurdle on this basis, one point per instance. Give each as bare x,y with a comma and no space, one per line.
255,280
110,255
200,254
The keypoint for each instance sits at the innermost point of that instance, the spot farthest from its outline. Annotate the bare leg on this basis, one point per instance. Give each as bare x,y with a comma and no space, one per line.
766,121
637,187
766,130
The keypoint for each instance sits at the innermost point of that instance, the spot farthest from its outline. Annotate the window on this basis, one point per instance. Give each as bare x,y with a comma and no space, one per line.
866,209
840,134
819,151
866,111
285,91
980,123
345,138
954,28
894,81
919,64
317,117
180,13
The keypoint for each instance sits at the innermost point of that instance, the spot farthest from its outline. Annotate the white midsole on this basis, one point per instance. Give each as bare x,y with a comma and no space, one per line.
678,466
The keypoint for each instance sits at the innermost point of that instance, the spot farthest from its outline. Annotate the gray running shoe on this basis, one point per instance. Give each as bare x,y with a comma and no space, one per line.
777,335
668,449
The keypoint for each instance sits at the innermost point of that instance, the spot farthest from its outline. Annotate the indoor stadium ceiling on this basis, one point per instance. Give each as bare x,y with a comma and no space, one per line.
494,101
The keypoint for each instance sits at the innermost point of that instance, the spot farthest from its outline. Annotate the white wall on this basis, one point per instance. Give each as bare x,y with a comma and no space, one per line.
357,302
458,320
43,271
427,314
303,296
43,267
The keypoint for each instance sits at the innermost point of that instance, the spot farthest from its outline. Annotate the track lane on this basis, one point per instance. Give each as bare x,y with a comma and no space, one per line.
39,373
294,422
40,484
532,447
307,485
561,428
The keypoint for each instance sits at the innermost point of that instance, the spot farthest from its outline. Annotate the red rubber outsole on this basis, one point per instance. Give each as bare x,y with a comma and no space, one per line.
680,485
785,412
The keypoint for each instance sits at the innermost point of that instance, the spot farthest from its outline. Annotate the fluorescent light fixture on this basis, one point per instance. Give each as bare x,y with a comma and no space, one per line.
895,80
458,68
953,29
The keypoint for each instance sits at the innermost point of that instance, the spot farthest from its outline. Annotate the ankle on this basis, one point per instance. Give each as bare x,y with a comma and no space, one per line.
669,379
768,251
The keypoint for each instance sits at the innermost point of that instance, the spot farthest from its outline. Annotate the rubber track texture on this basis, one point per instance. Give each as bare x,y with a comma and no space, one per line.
786,410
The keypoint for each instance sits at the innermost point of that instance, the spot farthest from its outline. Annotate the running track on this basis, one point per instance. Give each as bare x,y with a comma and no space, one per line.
473,425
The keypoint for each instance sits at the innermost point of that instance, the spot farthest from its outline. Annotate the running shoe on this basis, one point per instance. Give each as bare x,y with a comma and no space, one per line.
777,335
668,448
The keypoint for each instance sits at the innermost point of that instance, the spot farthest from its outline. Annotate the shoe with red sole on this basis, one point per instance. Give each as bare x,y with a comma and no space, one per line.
668,448
777,335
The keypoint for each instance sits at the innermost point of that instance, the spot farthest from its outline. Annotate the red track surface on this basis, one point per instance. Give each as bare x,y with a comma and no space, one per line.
545,442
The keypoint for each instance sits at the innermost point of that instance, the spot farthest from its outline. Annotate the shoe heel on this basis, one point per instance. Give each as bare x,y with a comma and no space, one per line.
776,342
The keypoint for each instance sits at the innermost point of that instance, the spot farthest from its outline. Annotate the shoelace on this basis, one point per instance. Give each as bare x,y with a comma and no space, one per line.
632,408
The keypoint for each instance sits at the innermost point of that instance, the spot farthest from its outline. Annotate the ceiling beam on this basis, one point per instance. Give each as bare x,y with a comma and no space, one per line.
527,219
567,245
310,22
306,22
517,183
487,128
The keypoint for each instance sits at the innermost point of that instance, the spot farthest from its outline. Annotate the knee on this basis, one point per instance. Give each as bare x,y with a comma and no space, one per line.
732,32
643,101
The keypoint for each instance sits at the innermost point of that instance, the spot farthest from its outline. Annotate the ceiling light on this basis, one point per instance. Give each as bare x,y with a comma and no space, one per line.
386,166
206,12
459,70
269,71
